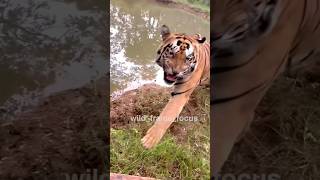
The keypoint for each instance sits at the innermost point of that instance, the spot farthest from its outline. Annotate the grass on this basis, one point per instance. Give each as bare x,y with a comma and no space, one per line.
199,4
183,153
168,159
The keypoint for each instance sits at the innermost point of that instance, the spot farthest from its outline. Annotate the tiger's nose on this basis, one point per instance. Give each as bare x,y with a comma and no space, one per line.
174,72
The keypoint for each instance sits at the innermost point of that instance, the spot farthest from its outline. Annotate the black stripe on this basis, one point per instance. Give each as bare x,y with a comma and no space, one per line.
295,46
224,100
278,68
217,70
201,80
304,13
318,23
179,83
177,93
300,26
289,63
316,27
164,49
307,56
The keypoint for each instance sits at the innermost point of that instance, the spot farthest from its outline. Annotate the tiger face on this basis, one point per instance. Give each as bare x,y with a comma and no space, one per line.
177,55
240,24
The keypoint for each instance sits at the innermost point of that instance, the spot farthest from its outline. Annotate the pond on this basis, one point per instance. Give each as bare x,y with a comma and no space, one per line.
135,37
48,46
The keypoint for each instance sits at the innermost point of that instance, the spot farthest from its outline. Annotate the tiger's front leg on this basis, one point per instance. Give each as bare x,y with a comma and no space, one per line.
230,120
166,118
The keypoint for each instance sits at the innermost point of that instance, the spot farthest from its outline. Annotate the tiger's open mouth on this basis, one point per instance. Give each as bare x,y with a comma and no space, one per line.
177,77
169,78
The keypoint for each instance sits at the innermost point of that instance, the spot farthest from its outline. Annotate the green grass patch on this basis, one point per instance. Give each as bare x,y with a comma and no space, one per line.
203,5
166,160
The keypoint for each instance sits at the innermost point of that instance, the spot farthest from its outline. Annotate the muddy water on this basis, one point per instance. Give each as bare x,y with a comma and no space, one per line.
134,30
47,46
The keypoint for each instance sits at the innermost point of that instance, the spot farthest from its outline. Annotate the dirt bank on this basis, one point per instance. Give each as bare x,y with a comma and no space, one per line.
136,102
150,99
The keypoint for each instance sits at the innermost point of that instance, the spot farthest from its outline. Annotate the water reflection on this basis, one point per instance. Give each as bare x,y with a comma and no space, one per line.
48,46
135,37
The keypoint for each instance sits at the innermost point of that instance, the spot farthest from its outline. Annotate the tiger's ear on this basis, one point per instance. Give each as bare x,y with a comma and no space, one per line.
266,14
200,39
165,32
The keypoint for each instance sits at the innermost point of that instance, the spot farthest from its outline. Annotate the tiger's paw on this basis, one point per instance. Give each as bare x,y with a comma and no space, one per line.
152,137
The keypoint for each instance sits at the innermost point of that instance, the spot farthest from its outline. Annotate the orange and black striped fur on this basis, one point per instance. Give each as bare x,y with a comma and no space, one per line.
185,60
253,41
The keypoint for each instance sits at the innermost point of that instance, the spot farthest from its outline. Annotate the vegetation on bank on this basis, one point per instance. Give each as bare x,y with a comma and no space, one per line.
203,5
168,160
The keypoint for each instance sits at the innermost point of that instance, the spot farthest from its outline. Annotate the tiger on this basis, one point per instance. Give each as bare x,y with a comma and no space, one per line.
252,43
185,60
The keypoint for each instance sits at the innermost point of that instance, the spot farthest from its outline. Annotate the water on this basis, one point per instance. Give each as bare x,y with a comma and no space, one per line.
48,46
135,37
